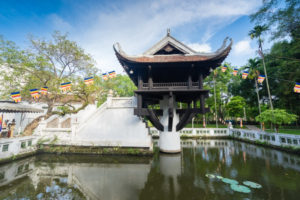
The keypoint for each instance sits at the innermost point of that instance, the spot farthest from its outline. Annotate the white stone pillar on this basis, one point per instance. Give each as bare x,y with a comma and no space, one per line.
169,142
42,126
74,127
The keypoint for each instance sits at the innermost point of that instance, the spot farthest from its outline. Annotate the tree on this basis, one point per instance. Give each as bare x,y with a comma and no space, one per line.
284,15
235,108
47,63
277,117
253,74
283,61
121,86
221,81
256,33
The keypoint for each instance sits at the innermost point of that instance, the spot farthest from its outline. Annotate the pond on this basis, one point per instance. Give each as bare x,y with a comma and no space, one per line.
206,169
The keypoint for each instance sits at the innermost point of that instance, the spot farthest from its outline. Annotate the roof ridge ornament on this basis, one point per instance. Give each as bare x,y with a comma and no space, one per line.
168,31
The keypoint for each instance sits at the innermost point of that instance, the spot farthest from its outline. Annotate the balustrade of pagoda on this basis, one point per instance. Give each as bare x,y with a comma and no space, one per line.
189,84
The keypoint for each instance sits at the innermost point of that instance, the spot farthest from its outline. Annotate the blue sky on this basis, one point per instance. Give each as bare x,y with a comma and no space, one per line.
136,25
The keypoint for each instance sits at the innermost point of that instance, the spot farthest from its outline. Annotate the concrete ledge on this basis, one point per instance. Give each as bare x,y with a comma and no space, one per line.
204,137
94,150
17,157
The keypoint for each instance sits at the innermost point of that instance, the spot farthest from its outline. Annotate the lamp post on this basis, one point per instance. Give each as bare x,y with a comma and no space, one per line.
193,122
216,113
257,93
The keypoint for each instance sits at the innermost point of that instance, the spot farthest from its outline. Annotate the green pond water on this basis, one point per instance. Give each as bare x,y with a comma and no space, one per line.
206,169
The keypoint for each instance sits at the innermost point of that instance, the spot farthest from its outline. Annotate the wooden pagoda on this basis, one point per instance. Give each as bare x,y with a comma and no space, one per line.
172,69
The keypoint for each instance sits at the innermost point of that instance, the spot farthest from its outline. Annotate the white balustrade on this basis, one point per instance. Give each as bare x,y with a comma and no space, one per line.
276,139
197,132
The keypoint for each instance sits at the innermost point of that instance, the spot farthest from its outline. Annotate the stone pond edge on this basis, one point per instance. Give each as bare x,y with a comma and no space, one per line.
129,151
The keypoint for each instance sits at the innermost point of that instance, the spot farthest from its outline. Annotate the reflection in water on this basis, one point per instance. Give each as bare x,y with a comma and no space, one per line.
162,176
170,167
73,177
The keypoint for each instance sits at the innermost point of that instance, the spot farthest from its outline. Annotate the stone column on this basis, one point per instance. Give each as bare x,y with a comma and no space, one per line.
12,128
169,141
74,127
42,126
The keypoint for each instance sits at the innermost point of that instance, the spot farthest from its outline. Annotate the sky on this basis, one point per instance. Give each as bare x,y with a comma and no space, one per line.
136,24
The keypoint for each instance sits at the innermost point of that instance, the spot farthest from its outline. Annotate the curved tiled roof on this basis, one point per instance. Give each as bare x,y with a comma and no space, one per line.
188,56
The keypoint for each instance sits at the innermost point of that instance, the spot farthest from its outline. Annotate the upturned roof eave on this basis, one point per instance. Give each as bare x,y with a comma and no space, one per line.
174,58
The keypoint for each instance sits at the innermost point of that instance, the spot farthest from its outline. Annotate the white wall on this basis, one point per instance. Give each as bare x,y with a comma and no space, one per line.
112,124
14,146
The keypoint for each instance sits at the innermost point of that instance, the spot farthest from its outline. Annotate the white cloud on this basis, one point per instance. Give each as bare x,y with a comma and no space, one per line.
205,48
243,47
59,23
137,26
242,51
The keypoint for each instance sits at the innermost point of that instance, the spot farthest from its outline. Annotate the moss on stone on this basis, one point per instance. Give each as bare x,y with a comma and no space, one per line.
94,150
16,157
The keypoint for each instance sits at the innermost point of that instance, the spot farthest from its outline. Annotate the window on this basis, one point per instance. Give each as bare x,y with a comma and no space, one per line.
295,141
2,175
265,137
283,140
20,169
5,147
23,145
26,167
292,161
29,143
273,138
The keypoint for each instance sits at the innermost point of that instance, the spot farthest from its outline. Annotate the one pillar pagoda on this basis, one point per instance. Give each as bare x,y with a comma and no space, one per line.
168,73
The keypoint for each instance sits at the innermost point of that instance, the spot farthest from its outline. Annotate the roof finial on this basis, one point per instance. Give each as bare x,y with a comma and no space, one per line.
168,32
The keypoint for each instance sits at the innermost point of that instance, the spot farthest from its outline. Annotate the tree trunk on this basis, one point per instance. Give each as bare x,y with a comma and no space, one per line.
50,107
277,128
241,123
34,124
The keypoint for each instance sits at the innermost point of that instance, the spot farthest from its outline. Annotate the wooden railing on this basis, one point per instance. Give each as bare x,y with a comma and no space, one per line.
182,85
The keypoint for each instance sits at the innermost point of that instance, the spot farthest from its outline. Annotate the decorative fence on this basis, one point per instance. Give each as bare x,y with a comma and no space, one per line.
197,132
276,139
56,126
183,85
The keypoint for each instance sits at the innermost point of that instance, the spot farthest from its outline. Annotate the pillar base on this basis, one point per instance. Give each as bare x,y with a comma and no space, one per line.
169,142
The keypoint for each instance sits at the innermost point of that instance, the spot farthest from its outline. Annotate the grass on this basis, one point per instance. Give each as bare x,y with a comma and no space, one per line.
285,131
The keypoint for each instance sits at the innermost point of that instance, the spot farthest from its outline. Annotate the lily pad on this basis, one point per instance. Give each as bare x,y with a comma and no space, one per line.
252,184
210,176
219,177
230,181
240,188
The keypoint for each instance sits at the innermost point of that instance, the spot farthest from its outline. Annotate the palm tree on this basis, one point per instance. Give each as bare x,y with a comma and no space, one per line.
256,33
253,74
